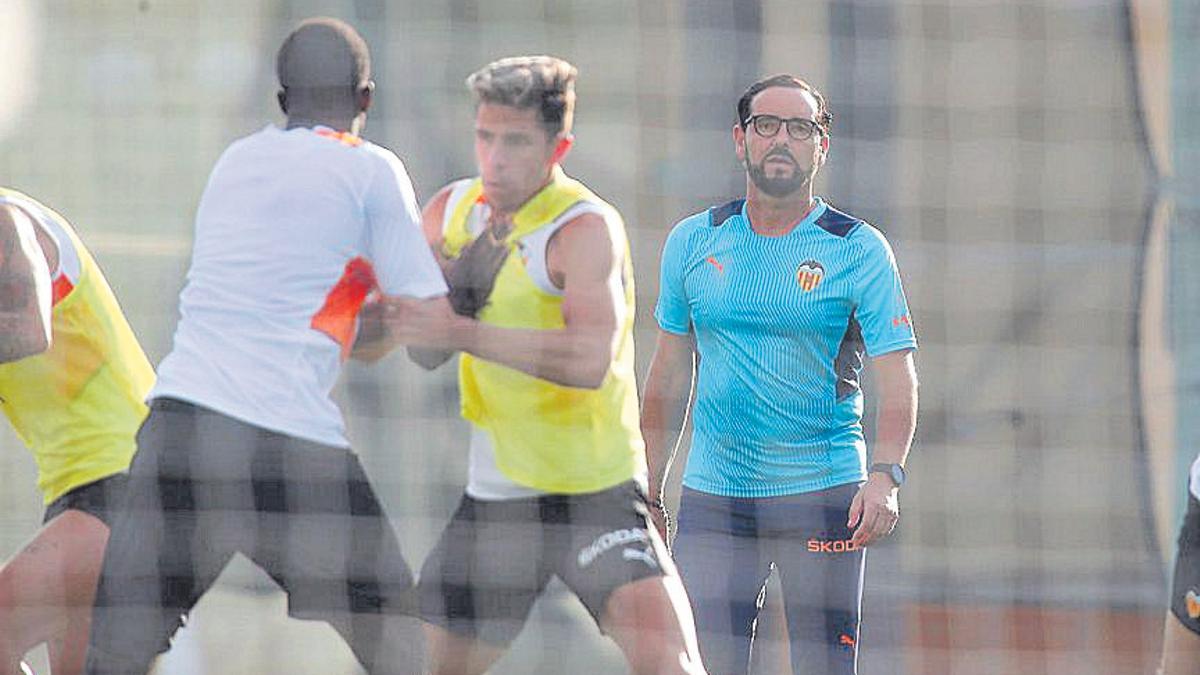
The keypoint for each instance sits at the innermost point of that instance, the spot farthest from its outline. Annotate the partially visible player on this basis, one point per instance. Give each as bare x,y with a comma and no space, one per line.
244,449
72,381
1181,634
540,271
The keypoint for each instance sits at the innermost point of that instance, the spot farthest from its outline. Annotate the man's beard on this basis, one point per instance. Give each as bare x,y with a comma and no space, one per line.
776,187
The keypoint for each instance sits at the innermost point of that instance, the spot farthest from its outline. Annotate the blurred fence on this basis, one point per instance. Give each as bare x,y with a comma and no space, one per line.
1034,163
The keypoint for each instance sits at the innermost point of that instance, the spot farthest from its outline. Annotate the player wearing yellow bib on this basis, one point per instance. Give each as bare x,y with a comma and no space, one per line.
541,280
72,381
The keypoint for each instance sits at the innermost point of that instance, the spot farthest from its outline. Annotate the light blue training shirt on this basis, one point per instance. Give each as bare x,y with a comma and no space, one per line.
782,325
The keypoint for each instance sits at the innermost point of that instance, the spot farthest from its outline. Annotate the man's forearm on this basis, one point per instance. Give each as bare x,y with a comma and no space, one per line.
572,358
25,293
26,326
25,338
664,413
429,358
662,426
371,341
896,421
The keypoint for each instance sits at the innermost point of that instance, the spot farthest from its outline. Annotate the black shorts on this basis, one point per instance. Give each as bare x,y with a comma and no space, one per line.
98,498
204,486
495,557
1185,591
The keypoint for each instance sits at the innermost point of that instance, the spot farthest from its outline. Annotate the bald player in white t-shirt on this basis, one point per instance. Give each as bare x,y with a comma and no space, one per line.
244,450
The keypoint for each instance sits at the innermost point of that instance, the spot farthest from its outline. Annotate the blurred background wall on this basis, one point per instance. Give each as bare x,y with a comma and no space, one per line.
1034,163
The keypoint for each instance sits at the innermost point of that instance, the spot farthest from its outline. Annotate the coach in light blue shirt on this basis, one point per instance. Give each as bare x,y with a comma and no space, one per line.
771,303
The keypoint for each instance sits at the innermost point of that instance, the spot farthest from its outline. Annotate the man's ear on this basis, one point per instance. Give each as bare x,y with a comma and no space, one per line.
739,142
281,96
562,147
365,96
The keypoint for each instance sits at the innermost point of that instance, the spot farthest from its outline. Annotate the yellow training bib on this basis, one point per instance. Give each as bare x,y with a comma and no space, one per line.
547,436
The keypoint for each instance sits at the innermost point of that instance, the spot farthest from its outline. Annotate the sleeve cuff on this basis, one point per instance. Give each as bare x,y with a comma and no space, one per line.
672,328
876,351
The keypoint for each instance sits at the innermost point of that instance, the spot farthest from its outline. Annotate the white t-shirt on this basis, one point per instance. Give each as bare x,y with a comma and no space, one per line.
283,214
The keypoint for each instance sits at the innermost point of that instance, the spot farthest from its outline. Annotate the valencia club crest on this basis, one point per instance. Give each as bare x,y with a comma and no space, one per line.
809,275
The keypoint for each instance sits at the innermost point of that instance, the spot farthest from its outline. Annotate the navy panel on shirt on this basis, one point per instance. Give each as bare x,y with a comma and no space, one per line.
718,215
837,223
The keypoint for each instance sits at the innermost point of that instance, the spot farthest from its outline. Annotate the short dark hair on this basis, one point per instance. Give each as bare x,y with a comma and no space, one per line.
323,62
546,83
824,117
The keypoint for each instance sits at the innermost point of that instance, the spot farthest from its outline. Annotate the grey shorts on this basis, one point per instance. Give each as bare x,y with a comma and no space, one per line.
495,558
97,498
204,486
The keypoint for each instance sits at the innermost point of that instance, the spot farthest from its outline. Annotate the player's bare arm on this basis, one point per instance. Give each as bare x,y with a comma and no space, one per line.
876,508
583,258
374,341
370,342
665,399
432,217
25,292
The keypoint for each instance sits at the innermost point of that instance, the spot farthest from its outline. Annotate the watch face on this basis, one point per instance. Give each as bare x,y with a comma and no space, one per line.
893,471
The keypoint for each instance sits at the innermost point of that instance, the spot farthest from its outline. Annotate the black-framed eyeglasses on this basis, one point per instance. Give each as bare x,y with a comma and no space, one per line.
799,128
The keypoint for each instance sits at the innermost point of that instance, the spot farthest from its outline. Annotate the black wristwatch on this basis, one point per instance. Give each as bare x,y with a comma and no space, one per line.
893,471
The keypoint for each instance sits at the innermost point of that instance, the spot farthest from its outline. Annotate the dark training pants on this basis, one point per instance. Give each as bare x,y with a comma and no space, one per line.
725,549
